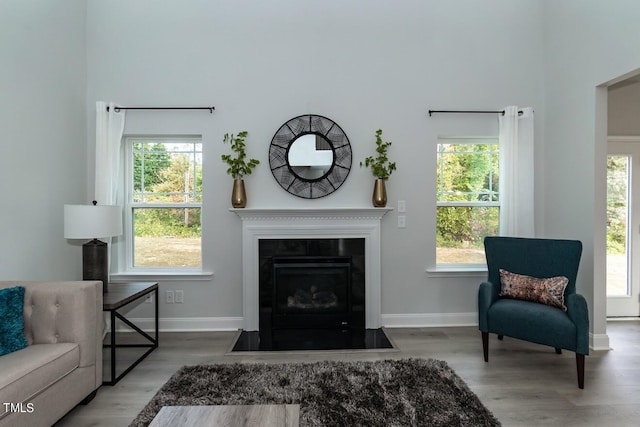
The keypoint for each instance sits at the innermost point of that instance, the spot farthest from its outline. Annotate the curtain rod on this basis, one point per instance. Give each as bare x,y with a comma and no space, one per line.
501,112
118,108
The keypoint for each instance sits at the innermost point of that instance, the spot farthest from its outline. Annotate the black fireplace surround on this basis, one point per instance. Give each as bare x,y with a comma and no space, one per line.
311,296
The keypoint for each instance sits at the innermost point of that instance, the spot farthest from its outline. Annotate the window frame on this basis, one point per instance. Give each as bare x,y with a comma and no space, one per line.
130,205
462,268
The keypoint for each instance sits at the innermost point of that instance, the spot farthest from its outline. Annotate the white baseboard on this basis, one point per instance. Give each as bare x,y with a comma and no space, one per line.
417,320
185,324
599,342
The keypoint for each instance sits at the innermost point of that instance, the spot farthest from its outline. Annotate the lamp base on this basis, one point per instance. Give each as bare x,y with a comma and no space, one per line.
95,262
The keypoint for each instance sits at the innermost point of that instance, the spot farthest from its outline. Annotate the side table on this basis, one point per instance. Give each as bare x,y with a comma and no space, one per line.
118,296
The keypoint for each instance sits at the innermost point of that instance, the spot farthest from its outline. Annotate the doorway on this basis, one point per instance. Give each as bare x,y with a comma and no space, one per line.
623,227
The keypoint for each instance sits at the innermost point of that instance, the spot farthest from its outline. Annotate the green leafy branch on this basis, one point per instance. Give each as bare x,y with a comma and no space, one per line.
380,165
238,165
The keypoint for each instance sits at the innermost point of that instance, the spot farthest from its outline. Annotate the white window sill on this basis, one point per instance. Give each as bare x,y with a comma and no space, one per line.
164,276
479,271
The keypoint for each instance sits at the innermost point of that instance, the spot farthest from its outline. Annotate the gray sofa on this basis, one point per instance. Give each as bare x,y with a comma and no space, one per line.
62,365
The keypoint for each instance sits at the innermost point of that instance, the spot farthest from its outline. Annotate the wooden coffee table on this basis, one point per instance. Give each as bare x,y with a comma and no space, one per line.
228,416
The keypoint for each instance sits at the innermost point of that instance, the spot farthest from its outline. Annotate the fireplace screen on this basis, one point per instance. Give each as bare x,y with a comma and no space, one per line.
312,285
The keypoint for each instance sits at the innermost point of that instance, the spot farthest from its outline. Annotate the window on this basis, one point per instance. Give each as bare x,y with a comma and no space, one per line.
618,177
468,201
164,201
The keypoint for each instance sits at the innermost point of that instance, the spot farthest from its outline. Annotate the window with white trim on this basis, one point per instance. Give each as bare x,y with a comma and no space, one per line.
163,202
468,198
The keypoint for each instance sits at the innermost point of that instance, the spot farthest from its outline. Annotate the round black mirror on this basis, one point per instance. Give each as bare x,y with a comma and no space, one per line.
310,156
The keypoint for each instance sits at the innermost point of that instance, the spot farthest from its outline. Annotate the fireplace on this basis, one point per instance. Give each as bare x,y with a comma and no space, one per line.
311,278
311,292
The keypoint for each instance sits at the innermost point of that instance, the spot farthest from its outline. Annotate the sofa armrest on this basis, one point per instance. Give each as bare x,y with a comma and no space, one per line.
579,314
65,312
487,295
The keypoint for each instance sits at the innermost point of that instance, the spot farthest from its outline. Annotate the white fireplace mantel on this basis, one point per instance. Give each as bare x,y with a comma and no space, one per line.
324,223
283,214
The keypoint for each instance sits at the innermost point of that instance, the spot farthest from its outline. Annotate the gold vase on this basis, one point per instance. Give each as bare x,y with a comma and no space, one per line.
379,198
238,195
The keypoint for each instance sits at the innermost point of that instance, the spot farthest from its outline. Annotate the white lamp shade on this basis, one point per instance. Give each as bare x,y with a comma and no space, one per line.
92,221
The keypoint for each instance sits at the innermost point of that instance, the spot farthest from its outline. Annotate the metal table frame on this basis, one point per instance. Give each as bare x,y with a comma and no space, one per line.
121,295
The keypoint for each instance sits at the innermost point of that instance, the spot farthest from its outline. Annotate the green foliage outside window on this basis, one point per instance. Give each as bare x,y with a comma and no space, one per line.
161,176
178,222
617,197
155,158
467,173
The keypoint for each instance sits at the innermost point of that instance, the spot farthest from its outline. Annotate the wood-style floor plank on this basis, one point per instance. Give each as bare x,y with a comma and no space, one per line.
523,384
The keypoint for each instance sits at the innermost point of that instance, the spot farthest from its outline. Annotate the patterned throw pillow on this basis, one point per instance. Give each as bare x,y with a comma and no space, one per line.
545,291
11,320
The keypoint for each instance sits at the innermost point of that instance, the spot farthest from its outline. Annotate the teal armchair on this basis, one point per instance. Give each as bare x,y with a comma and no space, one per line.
533,321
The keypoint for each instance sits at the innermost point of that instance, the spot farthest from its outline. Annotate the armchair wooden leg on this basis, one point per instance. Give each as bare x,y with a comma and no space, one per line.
580,366
485,345
558,350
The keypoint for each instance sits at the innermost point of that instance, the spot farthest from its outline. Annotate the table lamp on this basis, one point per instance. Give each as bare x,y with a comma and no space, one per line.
93,222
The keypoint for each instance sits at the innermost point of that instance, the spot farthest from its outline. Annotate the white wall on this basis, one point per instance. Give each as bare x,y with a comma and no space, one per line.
588,44
42,142
365,65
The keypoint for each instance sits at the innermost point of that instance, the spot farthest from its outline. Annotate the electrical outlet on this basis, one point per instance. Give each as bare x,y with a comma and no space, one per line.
179,296
402,221
149,298
170,297
402,206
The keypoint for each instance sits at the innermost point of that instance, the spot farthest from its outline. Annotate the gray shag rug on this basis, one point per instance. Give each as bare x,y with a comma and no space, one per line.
408,392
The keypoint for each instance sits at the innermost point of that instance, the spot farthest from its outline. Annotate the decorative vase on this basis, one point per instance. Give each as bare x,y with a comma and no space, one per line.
238,195
379,198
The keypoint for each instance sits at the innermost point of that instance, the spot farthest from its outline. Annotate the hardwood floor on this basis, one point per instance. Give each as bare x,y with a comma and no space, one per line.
523,384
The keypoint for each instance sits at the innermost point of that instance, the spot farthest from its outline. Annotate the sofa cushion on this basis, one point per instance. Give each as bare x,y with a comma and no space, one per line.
27,372
12,320
549,291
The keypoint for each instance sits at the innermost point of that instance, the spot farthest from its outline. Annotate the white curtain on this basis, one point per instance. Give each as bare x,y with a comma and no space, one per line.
109,130
516,173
